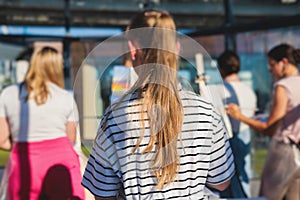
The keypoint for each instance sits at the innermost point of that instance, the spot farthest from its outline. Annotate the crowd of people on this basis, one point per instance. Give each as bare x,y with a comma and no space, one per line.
158,141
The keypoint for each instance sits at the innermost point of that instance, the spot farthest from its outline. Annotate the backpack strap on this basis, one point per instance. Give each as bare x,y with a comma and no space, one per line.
235,124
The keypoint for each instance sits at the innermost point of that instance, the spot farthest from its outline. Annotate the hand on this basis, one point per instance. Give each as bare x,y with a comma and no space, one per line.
233,110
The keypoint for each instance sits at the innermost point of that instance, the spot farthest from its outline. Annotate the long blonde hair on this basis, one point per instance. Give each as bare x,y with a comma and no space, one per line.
46,65
158,86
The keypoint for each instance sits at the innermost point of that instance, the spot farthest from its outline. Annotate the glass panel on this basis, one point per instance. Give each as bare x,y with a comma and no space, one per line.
178,6
35,3
252,48
264,8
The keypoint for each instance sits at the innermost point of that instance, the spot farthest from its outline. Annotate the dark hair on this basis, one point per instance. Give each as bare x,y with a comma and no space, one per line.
285,51
229,63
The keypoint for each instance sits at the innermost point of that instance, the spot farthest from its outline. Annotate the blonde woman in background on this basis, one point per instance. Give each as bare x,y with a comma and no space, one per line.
158,141
40,117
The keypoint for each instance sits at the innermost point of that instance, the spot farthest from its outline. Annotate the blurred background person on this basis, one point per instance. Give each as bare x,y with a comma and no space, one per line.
281,175
158,141
40,117
241,94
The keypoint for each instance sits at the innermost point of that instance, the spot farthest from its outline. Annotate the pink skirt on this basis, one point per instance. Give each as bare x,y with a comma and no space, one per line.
44,170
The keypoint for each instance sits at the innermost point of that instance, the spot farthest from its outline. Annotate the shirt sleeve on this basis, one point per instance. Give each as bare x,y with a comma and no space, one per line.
100,176
73,115
2,105
221,166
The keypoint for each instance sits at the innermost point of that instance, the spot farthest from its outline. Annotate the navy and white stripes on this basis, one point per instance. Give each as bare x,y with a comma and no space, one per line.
205,154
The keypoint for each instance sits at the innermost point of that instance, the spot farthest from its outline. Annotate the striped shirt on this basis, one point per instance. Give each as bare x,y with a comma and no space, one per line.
205,154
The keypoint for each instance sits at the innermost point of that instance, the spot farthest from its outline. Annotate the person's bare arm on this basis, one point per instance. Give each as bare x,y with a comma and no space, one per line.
5,142
234,111
221,186
278,110
71,131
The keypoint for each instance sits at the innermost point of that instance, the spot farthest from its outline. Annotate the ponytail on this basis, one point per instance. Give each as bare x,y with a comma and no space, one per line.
296,55
158,86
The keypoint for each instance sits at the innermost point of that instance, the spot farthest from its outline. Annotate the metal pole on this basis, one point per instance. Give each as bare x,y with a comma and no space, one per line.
148,5
230,39
66,44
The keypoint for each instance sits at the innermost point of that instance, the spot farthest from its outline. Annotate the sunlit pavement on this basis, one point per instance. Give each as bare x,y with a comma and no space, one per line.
255,183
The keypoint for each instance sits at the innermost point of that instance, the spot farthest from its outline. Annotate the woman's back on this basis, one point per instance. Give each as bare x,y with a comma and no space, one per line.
161,142
204,156
31,122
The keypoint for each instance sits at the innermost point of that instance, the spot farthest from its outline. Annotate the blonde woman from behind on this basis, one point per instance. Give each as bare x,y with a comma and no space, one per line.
40,117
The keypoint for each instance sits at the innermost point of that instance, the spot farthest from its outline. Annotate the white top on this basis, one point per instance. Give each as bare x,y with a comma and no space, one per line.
205,154
31,122
247,100
246,97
